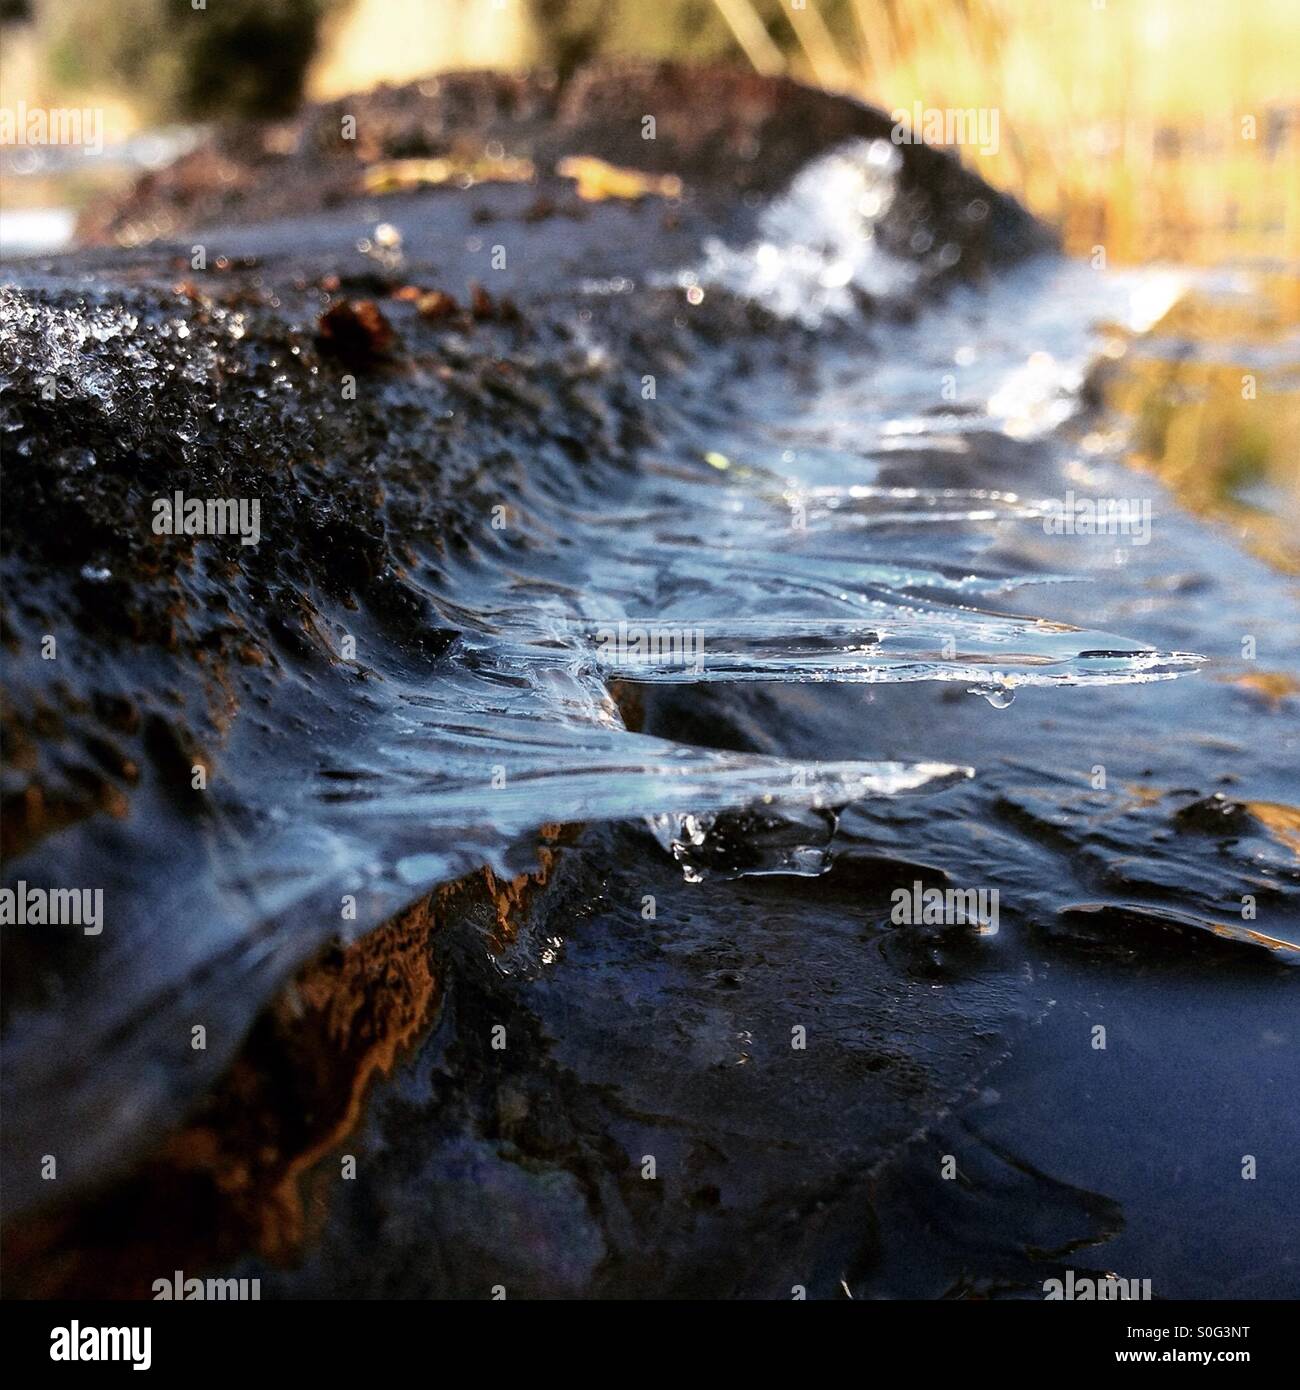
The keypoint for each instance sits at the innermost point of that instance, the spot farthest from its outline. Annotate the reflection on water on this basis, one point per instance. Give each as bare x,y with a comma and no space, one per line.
1212,396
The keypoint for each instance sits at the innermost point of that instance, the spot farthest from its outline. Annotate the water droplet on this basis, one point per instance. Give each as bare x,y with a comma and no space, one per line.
997,695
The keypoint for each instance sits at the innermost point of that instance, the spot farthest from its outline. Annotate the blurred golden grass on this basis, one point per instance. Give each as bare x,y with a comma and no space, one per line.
1221,432
1156,129
375,41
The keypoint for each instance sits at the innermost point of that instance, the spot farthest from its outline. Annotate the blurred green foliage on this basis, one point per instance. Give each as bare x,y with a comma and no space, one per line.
233,57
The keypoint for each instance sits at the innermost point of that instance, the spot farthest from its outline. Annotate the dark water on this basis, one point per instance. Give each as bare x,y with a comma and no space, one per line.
840,535
1121,822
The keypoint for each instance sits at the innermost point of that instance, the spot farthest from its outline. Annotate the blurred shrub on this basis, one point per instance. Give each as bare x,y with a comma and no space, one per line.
234,57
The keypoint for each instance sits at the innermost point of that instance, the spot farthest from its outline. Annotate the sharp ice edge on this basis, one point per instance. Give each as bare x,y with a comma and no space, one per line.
893,646
459,823
550,796
622,776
